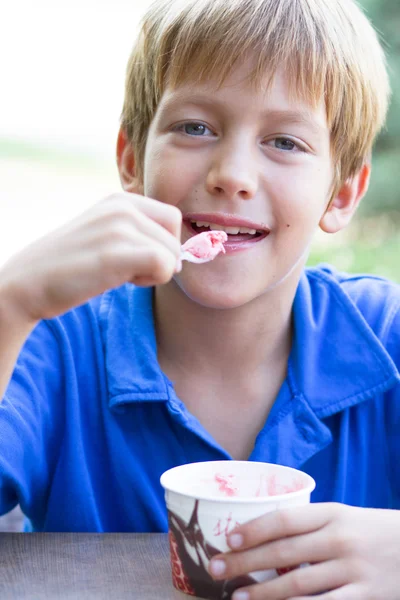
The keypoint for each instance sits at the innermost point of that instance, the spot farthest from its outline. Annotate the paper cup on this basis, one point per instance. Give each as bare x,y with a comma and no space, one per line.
206,500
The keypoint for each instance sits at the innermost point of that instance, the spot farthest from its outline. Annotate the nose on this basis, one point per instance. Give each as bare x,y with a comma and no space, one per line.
232,174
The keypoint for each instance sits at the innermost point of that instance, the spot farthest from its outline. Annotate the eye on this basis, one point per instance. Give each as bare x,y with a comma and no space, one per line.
286,145
193,128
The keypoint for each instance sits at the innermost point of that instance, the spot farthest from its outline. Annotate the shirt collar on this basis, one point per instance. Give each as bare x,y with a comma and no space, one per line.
129,341
336,360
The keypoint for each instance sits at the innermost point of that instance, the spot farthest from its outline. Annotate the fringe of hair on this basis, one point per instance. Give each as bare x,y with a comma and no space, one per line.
328,47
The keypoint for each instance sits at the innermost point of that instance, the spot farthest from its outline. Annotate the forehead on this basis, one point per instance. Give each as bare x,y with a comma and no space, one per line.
239,92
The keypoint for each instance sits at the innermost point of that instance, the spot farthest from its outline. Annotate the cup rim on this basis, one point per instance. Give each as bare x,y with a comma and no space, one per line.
308,489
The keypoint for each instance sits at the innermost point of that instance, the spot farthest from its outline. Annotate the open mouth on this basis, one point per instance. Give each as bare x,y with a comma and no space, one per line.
235,234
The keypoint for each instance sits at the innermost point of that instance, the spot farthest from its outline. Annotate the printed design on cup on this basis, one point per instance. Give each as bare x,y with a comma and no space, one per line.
191,556
225,526
179,578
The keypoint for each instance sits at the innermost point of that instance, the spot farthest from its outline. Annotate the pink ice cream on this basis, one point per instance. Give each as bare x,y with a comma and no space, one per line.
229,485
204,246
226,484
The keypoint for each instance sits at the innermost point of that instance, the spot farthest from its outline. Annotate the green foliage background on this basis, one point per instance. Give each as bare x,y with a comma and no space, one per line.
384,192
373,242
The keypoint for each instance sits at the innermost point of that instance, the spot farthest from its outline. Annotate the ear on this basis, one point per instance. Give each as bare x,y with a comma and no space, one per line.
343,206
126,165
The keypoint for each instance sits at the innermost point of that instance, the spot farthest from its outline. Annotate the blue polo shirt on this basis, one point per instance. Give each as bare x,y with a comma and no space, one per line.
89,422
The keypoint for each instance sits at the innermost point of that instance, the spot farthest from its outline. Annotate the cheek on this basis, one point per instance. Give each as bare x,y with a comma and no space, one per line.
168,177
302,198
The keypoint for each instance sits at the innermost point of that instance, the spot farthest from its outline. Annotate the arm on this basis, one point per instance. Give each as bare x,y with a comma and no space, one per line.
124,238
14,330
32,419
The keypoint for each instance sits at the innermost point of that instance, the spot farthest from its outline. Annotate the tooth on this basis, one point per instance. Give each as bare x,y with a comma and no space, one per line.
202,224
216,227
229,230
247,230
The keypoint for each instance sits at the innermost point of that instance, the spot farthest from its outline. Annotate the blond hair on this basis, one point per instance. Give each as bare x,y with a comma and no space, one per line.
329,49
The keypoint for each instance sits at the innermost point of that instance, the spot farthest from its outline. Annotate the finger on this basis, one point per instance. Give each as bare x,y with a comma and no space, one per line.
166,215
154,231
287,552
306,581
153,263
149,281
281,523
121,223
145,259
347,592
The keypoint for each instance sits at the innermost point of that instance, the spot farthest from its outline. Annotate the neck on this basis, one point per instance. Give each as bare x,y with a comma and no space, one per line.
211,342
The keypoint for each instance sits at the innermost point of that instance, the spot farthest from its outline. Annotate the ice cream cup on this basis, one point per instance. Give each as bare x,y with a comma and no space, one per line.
206,500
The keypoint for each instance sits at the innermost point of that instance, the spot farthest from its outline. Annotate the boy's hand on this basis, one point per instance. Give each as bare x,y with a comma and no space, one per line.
124,238
354,554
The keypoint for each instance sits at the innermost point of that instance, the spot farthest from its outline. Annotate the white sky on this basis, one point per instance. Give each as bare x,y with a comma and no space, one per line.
63,69
62,74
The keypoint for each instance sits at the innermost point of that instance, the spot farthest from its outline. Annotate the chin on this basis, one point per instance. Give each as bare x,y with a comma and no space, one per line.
217,295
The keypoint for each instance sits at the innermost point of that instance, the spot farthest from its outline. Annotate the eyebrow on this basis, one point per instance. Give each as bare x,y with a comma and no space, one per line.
290,117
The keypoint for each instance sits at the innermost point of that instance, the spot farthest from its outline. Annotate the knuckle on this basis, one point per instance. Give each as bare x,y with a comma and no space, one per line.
258,592
236,565
282,553
344,544
284,521
122,213
356,570
114,209
115,202
109,198
118,232
299,582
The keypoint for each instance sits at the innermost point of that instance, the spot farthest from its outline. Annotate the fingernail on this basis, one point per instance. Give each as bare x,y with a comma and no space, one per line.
178,267
217,567
241,596
235,540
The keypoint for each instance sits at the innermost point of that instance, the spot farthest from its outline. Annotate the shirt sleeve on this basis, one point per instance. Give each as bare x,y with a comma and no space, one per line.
30,423
392,415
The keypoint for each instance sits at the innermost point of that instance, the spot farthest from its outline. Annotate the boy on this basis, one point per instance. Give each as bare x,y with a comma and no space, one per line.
256,117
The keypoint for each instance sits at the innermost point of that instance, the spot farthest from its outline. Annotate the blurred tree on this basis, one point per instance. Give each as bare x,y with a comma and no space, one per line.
384,193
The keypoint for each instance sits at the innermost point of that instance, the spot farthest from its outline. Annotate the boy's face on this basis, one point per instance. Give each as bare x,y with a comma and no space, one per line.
245,153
